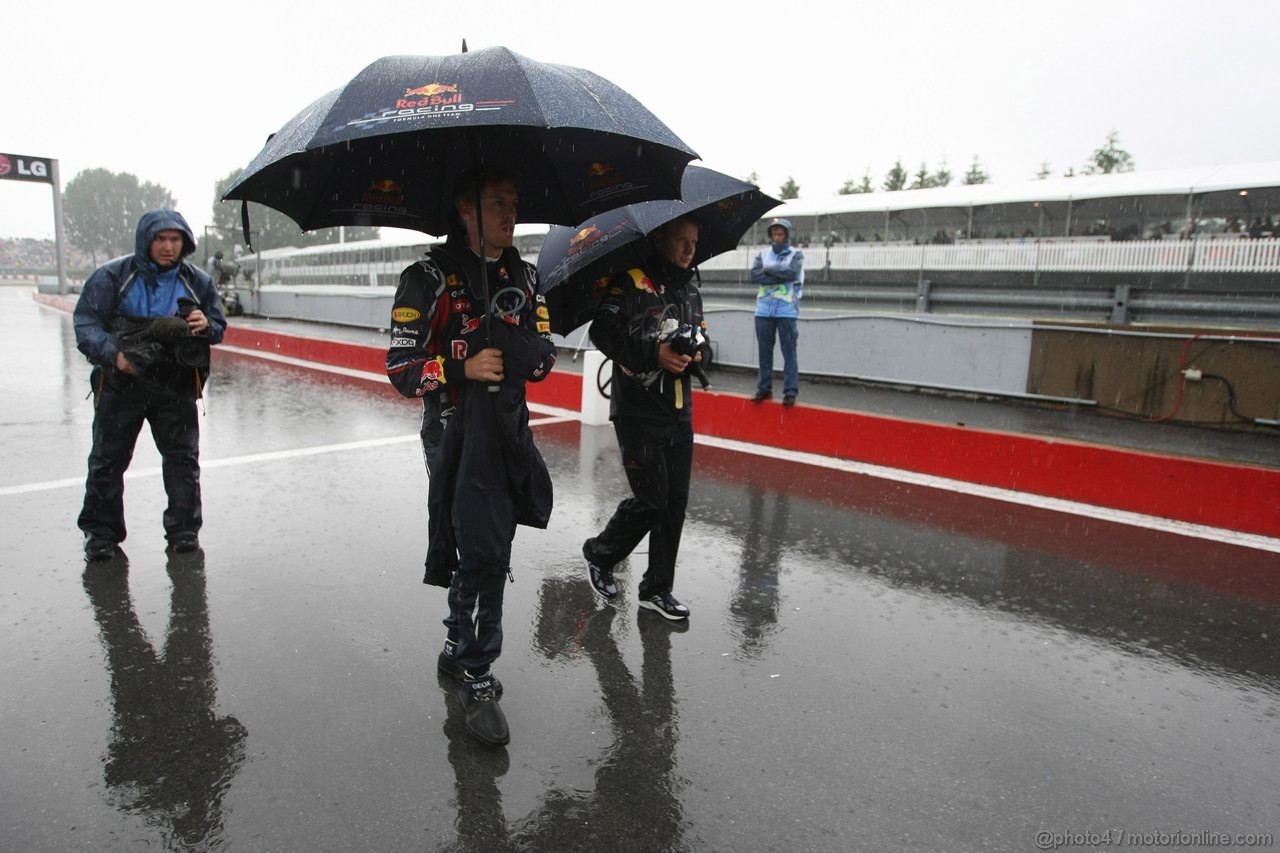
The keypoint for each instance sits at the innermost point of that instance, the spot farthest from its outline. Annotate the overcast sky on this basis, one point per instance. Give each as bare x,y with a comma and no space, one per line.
183,94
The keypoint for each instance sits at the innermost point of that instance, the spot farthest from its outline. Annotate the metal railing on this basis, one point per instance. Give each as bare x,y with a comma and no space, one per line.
1154,256
1118,304
1205,255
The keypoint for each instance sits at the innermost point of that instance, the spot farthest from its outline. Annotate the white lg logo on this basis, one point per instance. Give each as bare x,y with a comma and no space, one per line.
34,169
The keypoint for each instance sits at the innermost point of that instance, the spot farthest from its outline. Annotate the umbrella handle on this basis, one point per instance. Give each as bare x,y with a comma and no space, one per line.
582,344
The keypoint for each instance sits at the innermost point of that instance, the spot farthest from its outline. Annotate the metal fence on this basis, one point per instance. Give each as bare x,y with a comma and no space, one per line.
1219,255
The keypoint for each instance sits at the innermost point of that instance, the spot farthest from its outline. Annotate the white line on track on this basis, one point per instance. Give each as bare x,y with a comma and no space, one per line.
898,475
298,362
249,459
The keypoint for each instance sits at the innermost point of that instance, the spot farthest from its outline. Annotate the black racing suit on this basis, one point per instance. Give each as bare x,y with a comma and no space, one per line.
652,414
436,325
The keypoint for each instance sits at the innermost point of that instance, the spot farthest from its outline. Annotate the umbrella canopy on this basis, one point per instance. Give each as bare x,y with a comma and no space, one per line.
386,148
575,263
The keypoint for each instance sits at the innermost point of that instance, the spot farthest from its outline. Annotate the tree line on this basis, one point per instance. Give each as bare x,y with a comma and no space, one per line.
101,209
1108,158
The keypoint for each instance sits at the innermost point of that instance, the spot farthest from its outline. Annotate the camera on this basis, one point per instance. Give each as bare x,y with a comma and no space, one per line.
686,339
158,347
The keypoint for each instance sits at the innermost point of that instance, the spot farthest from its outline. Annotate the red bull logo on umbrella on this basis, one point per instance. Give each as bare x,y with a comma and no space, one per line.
430,95
431,90
428,101
589,238
381,195
603,180
583,240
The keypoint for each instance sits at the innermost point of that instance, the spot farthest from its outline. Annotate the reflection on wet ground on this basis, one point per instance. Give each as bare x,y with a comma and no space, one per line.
870,665
1126,586
171,757
633,803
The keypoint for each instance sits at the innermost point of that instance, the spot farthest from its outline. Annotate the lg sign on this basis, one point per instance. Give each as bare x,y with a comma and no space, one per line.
20,167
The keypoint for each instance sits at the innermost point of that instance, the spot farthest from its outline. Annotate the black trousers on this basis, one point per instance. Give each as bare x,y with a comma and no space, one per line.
123,405
475,613
658,461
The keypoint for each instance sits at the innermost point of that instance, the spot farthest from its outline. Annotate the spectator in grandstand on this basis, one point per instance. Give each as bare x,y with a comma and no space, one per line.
779,270
486,475
145,322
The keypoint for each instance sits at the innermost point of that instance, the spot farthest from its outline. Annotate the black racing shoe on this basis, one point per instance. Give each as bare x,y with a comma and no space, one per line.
184,542
789,400
96,550
448,666
761,396
484,717
666,606
601,576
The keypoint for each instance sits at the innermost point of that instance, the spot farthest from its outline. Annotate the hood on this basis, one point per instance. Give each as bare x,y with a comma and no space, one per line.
785,223
155,221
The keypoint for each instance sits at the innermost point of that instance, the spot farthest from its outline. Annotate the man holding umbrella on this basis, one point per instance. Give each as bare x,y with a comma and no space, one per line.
648,322
419,363
445,352
386,149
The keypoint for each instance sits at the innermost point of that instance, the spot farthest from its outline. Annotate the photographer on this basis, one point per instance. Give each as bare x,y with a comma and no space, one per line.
652,410
223,273
145,321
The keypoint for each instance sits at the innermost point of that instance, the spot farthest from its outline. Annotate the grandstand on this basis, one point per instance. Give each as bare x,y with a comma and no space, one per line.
28,259
1169,204
1176,221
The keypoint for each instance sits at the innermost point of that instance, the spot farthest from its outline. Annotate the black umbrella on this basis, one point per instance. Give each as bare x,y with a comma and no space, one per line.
386,148
576,262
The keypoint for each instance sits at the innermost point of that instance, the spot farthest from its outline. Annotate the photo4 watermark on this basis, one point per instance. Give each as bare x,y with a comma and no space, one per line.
1047,840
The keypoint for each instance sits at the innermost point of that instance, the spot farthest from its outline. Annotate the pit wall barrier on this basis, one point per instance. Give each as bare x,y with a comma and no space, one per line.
1224,495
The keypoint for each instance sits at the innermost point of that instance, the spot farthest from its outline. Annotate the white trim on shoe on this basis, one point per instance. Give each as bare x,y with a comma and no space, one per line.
669,608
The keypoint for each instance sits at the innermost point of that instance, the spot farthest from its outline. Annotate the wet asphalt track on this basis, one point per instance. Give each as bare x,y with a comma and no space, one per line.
869,665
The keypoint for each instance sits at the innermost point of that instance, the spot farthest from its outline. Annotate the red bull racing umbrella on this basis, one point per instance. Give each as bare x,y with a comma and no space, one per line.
575,263
386,148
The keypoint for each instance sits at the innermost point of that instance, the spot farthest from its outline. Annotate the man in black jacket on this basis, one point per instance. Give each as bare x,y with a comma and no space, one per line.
647,323
149,366
486,474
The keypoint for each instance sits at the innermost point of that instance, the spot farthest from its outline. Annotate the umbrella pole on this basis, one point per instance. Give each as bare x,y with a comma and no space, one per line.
484,269
484,265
